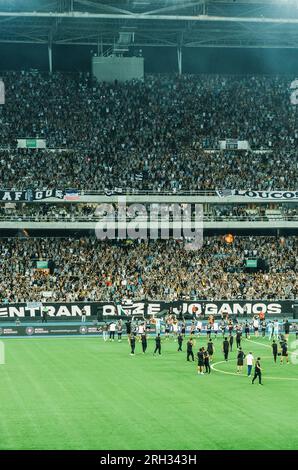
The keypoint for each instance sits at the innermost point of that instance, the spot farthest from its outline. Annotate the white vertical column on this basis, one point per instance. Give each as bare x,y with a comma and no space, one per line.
179,58
50,52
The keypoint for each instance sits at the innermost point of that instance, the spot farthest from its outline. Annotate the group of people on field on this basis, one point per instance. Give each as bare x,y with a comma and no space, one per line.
138,331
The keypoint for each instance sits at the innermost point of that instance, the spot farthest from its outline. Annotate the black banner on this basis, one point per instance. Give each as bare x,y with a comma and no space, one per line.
31,195
200,307
101,310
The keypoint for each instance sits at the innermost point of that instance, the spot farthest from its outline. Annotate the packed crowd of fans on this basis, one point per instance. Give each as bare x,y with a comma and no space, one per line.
152,135
157,129
48,212
88,270
185,169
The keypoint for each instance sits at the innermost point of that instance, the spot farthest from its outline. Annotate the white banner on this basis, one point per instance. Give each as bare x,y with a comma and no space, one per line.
234,144
275,195
267,194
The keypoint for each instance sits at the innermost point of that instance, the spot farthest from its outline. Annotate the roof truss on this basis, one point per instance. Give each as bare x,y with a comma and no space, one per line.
170,23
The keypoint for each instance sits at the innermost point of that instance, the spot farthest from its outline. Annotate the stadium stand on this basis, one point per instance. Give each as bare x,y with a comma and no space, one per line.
87,269
159,129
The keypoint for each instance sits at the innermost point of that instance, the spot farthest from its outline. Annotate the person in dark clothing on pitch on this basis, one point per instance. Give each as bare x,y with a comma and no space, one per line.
231,341
258,371
238,339
128,329
287,327
247,330
189,350
132,345
200,361
263,328
210,349
157,344
225,348
207,362
144,342
240,360
284,351
274,350
180,341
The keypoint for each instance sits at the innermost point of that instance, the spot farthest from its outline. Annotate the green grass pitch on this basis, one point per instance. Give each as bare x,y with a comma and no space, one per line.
82,393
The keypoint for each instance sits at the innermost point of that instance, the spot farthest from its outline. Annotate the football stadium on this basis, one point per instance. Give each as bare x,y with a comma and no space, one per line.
149,225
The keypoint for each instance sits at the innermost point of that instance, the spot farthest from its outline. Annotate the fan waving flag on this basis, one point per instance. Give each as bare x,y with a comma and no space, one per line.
108,192
139,176
71,195
225,192
112,192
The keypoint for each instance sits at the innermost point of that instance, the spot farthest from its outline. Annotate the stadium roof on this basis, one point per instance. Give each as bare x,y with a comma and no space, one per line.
141,23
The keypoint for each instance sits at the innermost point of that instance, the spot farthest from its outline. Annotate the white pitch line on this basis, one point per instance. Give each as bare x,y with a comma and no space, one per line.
256,342
268,346
242,375
222,371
